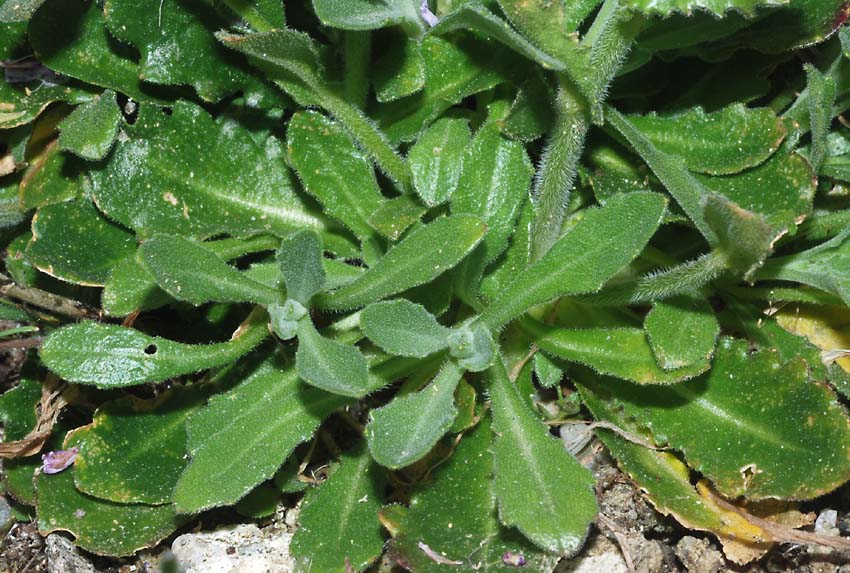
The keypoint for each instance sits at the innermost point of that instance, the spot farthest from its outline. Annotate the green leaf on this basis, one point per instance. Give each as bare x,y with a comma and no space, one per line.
548,373
754,425
18,10
338,523
420,257
399,72
549,25
584,259
717,7
621,352
396,215
135,450
462,494
300,259
177,46
722,142
821,98
190,271
542,490
454,70
234,442
473,347
682,332
161,181
52,177
94,522
493,185
403,328
436,159
330,365
472,15
19,417
367,14
71,38
90,130
111,356
334,170
406,429
261,502
74,242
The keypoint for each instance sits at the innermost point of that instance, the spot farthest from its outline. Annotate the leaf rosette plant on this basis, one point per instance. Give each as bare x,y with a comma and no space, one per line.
370,253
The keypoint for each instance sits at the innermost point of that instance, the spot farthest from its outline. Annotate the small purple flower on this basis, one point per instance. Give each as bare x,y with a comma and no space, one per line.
427,15
55,462
513,559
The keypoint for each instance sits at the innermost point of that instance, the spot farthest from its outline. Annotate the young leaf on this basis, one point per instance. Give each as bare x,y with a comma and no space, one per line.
542,490
330,365
473,347
135,450
584,259
548,373
403,328
406,429
93,522
189,271
744,238
74,242
338,523
420,257
753,425
621,352
718,143
462,494
334,170
111,356
161,181
234,442
436,159
300,260
682,332
90,130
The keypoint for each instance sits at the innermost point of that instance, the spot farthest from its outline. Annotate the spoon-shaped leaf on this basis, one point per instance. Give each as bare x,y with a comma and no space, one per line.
406,429
111,356
420,257
330,365
300,259
542,490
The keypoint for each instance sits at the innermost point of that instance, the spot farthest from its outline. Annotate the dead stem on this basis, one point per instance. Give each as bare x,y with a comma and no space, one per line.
43,299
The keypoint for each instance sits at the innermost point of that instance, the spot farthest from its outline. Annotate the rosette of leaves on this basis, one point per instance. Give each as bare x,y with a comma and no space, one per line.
344,249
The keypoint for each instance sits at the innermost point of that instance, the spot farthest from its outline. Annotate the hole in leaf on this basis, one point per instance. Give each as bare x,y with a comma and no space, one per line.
150,350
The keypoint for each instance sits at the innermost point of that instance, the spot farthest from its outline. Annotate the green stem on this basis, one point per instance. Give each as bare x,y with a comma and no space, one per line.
355,87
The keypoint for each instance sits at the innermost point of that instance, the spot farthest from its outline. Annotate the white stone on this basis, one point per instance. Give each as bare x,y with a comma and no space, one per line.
240,549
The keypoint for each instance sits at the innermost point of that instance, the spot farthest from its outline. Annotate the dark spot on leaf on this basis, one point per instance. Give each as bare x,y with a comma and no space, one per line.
150,350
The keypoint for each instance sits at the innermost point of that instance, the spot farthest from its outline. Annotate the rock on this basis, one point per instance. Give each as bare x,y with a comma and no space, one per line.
241,549
7,518
600,555
698,555
63,556
647,555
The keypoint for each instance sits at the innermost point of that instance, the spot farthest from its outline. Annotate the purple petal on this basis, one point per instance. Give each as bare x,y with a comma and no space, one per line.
513,559
427,15
55,462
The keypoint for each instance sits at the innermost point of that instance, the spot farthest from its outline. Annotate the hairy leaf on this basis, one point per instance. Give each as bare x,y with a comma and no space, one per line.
330,365
403,328
111,356
190,271
584,259
542,490
300,259
90,130
406,429
682,332
367,14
